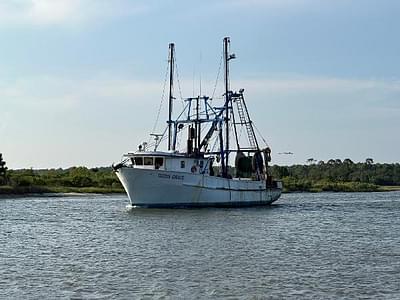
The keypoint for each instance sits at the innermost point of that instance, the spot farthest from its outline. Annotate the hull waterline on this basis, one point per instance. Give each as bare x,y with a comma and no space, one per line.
158,188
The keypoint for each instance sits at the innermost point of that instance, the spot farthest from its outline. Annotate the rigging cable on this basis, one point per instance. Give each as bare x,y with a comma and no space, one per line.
217,79
258,131
161,102
162,138
177,79
178,139
214,145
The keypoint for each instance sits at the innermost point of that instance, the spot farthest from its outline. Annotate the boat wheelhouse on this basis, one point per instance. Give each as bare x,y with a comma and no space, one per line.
167,161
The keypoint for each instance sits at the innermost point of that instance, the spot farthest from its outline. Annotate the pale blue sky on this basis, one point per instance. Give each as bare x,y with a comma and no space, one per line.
81,80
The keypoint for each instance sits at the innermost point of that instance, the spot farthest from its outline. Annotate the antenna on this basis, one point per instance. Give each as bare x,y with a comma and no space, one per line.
200,73
157,139
193,80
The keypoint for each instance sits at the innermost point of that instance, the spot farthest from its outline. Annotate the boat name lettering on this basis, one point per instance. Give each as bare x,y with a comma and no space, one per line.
167,176
164,175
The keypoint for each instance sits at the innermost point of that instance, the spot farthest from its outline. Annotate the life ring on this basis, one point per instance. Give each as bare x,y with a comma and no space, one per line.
193,169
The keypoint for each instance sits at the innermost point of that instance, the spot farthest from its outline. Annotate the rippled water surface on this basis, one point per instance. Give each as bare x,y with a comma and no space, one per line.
322,246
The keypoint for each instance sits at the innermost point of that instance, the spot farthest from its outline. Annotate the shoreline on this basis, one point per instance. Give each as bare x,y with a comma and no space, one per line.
397,189
57,195
65,194
43,191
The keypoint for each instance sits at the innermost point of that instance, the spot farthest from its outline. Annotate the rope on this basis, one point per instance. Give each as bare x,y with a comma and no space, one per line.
162,138
179,82
216,140
259,133
217,79
161,102
177,77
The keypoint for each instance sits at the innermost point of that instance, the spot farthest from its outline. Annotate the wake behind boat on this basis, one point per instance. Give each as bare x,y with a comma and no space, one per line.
200,175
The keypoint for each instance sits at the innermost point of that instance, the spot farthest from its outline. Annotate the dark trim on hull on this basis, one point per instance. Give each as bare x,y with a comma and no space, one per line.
225,189
205,205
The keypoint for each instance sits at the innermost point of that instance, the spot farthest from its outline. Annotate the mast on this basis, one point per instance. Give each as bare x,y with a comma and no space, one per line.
171,97
198,129
227,58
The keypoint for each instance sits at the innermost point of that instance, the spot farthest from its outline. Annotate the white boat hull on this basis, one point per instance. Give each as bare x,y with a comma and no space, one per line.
159,188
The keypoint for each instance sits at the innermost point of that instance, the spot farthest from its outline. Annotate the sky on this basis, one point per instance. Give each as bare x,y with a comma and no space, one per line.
81,80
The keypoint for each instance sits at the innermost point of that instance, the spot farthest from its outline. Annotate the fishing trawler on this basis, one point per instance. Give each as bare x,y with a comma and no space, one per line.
200,175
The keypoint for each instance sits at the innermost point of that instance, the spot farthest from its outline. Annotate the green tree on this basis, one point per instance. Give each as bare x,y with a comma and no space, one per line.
311,161
369,161
338,161
3,170
331,162
348,161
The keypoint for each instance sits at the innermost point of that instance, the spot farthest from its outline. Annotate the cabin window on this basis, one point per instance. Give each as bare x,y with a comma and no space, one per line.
182,164
148,161
158,162
138,161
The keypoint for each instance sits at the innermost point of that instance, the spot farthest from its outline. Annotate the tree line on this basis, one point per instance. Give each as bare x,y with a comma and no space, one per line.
335,172
314,176
75,179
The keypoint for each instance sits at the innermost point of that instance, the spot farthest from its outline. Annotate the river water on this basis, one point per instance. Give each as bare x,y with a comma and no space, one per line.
321,246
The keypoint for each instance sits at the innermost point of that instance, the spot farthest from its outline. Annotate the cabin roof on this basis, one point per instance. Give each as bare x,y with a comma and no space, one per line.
154,153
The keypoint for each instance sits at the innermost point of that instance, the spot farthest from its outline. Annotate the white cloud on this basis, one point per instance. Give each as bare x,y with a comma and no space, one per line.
267,2
63,93
56,116
58,12
320,84
274,4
